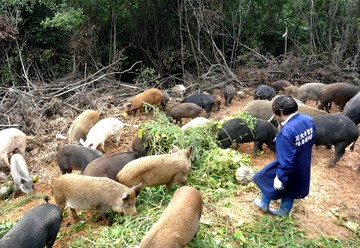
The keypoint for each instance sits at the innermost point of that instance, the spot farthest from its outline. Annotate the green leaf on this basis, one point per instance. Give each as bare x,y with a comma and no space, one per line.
238,235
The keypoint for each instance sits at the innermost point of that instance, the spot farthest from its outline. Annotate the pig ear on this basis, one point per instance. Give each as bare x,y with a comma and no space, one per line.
190,151
82,142
175,149
125,196
136,188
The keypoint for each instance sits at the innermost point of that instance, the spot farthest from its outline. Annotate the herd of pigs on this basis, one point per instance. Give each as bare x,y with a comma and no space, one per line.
112,182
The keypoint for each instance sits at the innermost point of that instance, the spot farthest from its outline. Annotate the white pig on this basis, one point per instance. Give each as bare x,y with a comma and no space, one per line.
20,174
102,130
11,139
195,122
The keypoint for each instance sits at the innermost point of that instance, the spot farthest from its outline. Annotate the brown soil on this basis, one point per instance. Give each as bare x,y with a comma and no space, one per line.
332,189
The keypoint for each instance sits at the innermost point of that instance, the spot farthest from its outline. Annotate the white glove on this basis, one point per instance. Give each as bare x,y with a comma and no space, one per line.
278,185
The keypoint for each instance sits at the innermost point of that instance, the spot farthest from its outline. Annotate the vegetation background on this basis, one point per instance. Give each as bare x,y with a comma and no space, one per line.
47,40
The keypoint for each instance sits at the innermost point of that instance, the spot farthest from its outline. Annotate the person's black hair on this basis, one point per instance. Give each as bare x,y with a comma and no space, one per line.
284,104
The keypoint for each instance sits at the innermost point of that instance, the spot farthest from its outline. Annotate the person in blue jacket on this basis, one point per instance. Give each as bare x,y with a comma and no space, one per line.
288,176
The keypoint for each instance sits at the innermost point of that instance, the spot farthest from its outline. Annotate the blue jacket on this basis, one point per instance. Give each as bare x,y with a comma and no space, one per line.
293,160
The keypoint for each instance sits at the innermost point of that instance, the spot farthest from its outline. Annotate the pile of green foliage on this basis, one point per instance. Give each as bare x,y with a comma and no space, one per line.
212,167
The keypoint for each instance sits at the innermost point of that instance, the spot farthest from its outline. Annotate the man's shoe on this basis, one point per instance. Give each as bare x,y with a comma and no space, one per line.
279,212
261,205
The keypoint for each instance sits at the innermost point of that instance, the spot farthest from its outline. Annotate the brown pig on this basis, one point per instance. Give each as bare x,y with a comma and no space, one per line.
178,223
217,99
157,170
280,85
339,93
81,125
151,96
185,110
100,193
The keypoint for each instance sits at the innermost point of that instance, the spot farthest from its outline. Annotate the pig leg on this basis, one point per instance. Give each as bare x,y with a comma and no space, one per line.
103,146
74,214
15,191
4,159
104,215
271,146
339,152
21,150
257,147
117,138
352,146
180,178
168,187
178,120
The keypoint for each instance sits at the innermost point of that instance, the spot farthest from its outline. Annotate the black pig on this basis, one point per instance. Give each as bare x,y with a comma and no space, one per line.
37,228
352,109
237,130
264,92
140,145
185,110
229,93
203,100
337,130
75,157
109,166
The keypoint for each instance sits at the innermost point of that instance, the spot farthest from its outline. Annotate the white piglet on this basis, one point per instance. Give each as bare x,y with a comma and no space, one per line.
20,174
102,130
11,139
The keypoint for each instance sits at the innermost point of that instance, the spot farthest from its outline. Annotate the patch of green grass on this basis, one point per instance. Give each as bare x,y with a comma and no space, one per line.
5,227
9,206
270,231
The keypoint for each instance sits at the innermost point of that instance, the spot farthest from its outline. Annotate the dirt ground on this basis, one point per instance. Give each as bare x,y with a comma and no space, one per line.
333,192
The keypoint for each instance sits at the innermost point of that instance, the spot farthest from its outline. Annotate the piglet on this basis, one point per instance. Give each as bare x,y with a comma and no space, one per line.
37,228
110,165
157,170
198,121
20,174
185,110
178,223
229,93
76,157
102,130
87,192
150,96
81,125
205,101
11,139
264,92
